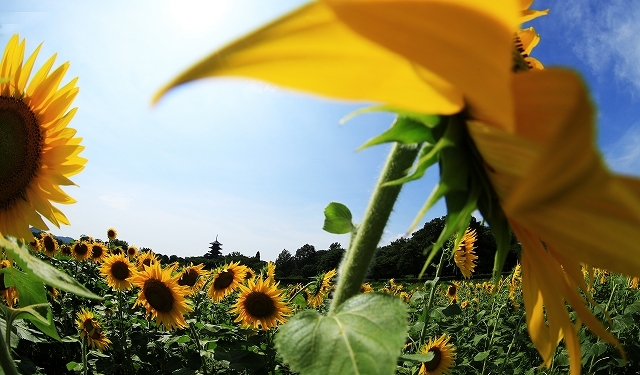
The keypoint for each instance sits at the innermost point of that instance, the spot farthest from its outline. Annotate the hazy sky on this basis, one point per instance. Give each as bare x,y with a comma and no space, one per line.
251,163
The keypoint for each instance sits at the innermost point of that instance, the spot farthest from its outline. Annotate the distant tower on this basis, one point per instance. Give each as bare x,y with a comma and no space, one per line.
215,249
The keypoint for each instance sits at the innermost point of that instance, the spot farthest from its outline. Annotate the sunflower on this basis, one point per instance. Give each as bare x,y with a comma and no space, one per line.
249,274
49,244
260,302
98,252
161,295
112,234
515,286
65,250
271,272
90,329
227,279
322,288
193,277
80,251
118,270
38,149
452,291
633,282
147,258
116,251
444,356
132,251
35,244
464,255
366,288
9,294
530,133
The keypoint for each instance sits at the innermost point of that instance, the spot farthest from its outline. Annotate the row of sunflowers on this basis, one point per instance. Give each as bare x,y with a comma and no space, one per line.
224,320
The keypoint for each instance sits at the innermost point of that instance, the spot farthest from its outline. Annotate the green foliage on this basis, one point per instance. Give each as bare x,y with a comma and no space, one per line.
366,333
337,219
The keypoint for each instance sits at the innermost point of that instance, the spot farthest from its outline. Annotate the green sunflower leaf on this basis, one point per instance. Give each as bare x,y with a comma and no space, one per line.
404,130
337,219
43,271
365,335
32,293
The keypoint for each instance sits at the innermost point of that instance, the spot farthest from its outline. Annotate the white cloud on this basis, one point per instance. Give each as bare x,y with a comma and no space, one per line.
624,155
608,36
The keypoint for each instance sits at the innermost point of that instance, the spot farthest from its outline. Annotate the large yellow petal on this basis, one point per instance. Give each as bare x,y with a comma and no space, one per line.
468,43
311,50
563,192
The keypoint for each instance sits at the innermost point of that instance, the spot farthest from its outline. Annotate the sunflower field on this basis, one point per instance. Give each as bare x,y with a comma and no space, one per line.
169,319
514,142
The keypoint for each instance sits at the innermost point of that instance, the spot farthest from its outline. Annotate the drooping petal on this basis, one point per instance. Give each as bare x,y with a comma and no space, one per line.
311,50
465,42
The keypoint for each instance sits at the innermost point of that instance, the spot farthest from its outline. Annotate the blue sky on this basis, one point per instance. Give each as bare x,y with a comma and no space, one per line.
254,164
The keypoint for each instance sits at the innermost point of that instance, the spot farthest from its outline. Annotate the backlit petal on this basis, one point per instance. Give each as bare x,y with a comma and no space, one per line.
311,50
466,42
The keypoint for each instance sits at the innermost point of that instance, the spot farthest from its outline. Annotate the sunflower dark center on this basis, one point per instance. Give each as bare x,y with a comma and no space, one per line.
81,248
147,262
259,305
120,270
116,251
224,279
452,290
111,234
88,326
96,251
158,295
435,362
131,251
49,244
21,147
66,250
189,278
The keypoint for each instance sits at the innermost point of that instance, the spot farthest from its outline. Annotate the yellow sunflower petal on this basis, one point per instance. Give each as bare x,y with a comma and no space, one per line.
311,50
445,39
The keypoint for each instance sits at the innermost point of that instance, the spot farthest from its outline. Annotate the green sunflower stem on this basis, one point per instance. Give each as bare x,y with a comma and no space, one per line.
354,266
84,355
6,361
429,302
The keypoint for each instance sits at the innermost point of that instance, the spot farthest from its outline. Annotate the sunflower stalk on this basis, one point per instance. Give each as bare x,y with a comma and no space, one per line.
488,346
429,303
355,264
84,355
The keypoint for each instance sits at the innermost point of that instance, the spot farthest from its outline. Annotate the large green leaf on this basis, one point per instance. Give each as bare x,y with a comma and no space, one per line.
44,271
364,336
337,219
31,292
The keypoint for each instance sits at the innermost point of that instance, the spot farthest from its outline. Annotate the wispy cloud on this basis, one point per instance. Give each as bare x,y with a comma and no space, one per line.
608,36
624,155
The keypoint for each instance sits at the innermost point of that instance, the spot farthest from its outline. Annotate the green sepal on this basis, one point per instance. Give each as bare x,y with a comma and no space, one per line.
428,120
420,357
501,230
364,335
429,155
337,219
42,271
403,130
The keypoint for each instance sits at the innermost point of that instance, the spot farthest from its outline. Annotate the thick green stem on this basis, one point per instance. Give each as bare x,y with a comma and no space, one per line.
354,266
